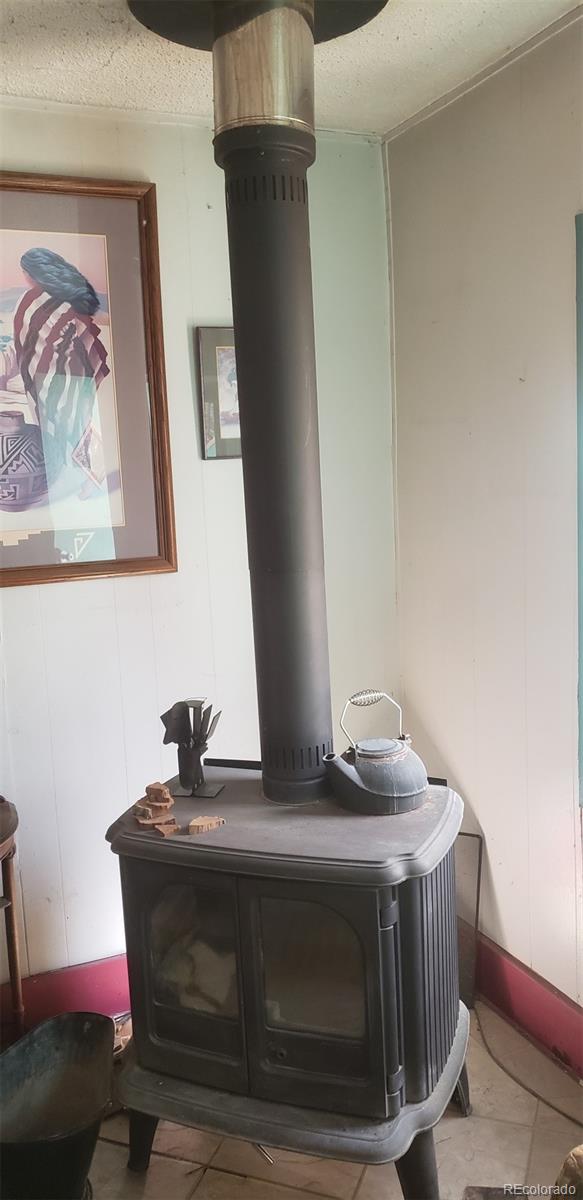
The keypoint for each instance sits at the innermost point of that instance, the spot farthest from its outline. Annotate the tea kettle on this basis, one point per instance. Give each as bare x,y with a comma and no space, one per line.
377,775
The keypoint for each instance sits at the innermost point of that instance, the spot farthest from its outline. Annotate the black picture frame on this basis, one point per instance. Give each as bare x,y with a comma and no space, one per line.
221,437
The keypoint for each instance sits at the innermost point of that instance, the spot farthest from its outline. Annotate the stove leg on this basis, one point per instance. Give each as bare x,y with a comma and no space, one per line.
142,1130
461,1096
417,1169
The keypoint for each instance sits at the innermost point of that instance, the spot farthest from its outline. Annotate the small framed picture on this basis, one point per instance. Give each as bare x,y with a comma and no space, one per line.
85,475
221,434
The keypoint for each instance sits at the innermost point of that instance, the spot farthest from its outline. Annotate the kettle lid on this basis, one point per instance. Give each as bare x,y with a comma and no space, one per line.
388,749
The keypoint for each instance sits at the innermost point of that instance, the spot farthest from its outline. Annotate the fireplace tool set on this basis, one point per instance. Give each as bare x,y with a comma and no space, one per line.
293,971
191,726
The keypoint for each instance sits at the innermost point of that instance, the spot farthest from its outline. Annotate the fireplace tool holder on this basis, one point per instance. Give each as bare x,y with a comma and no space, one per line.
191,726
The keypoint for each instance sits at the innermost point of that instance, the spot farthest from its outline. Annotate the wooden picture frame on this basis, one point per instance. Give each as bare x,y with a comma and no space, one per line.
85,365
221,434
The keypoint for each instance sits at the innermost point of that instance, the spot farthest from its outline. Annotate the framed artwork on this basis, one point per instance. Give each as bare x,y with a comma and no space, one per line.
85,474
221,433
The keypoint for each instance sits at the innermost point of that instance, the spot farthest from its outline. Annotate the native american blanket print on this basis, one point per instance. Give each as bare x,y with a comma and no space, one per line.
62,361
60,461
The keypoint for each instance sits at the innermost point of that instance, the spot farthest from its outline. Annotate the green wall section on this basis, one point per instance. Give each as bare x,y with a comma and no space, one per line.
579,240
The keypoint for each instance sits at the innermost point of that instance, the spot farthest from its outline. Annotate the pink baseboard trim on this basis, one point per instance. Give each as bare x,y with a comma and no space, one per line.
534,1005
100,986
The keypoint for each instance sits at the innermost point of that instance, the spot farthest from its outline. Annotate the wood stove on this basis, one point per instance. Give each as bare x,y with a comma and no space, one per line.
293,972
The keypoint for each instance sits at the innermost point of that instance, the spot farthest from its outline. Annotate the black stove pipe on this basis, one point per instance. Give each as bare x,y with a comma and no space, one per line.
263,75
265,163
276,375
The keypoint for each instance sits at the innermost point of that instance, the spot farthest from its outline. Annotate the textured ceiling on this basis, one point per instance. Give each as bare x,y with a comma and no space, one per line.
94,52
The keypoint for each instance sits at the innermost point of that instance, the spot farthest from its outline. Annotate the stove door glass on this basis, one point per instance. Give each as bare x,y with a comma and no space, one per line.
185,972
313,994
193,945
314,971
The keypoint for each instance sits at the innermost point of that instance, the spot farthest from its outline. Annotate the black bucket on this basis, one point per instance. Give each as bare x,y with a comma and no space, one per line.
55,1085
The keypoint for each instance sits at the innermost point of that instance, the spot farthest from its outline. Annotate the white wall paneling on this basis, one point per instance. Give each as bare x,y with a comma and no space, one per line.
88,667
483,198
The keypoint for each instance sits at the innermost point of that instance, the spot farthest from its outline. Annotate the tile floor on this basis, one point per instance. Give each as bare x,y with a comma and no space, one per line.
510,1138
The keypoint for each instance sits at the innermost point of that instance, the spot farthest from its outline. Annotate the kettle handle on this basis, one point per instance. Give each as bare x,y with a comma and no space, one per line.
362,700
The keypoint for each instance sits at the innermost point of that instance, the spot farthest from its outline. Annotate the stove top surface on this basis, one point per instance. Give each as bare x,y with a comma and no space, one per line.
311,841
